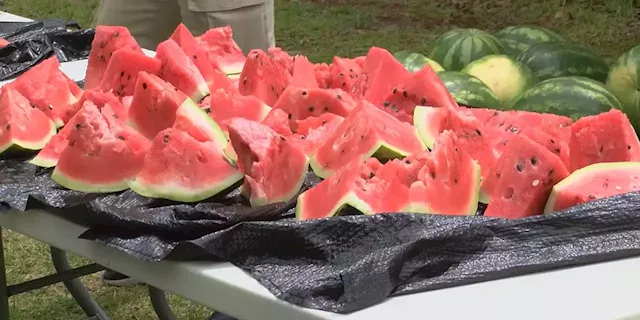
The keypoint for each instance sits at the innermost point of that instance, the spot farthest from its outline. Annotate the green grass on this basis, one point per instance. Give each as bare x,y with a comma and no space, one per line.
322,29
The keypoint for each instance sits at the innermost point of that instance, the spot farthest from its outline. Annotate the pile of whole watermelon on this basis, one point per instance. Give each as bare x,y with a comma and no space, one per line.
201,119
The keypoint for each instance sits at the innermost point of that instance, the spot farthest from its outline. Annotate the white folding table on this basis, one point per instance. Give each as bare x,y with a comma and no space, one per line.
603,291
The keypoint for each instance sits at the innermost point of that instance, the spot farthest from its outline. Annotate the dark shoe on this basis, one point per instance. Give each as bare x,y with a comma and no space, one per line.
113,278
220,316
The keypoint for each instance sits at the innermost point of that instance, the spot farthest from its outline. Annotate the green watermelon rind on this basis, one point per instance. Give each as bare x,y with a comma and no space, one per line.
448,48
413,61
469,90
70,183
543,59
571,96
259,201
516,39
583,173
473,202
182,194
624,82
519,78
420,115
43,162
20,145
383,150
349,200
202,120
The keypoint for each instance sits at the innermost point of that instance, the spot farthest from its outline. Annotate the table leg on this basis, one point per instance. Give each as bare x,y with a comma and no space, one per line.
160,305
4,288
75,287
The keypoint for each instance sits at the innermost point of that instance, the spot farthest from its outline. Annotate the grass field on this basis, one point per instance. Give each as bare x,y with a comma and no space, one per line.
322,29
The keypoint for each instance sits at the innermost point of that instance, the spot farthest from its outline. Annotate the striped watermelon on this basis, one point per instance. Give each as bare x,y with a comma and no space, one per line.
516,39
558,59
458,47
468,90
571,96
624,82
506,77
414,61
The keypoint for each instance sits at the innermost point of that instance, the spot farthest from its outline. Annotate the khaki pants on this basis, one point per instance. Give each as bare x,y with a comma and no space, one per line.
153,21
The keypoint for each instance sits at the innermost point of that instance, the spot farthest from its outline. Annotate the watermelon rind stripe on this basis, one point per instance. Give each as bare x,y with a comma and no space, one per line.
583,173
469,90
457,47
181,194
624,82
73,184
516,39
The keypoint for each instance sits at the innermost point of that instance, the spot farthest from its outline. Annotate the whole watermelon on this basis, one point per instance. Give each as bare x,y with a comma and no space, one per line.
468,90
624,82
414,61
570,96
456,48
516,39
557,59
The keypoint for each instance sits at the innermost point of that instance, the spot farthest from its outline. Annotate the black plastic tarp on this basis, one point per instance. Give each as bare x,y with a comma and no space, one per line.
32,42
340,264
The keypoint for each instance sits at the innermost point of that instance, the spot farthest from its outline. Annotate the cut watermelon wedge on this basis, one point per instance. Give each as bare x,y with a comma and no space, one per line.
180,168
102,153
123,69
303,73
224,106
106,41
21,125
178,69
187,42
263,78
221,49
301,103
99,98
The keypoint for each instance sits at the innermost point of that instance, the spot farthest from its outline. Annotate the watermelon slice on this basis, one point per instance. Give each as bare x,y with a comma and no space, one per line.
106,41
123,69
301,103
278,121
344,73
178,69
595,181
356,185
157,104
367,131
449,182
22,125
312,132
181,168
282,58
187,42
274,167
303,73
76,91
607,137
46,87
323,75
224,106
99,98
263,78
381,73
222,50
102,153
520,183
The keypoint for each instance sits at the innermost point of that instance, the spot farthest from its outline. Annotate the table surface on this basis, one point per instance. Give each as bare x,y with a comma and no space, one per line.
599,291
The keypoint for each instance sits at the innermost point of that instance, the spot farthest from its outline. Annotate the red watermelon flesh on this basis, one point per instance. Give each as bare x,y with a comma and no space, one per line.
99,98
187,42
123,70
224,106
178,69
181,168
46,87
520,182
107,40
322,72
344,73
596,181
449,182
381,73
278,121
222,50
22,125
126,101
301,103
282,58
50,154
154,105
76,91
102,153
607,137
274,167
357,185
263,78
303,73
312,132
366,132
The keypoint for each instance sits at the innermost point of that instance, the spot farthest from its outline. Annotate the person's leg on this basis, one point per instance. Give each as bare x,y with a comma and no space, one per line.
252,21
149,21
